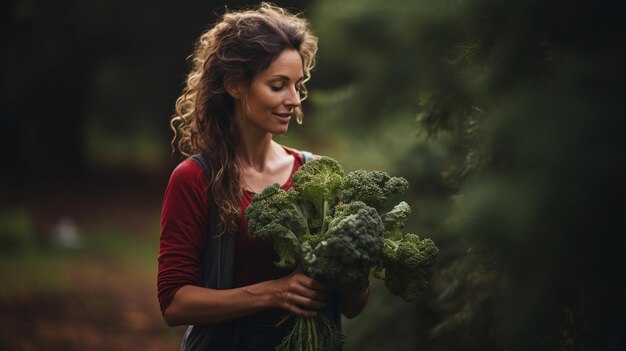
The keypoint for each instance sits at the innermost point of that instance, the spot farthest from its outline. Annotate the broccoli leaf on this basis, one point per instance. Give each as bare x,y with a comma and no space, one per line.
318,181
394,220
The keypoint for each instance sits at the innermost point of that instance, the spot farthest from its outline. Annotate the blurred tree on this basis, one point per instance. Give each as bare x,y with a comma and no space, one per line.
42,88
531,94
84,77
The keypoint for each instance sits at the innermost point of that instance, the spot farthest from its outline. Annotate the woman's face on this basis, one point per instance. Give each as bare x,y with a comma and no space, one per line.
268,104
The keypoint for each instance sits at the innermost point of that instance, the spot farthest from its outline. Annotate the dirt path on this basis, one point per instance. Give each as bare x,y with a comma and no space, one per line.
111,307
105,301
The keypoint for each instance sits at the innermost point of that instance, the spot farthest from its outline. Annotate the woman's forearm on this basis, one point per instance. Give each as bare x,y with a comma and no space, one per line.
294,293
194,305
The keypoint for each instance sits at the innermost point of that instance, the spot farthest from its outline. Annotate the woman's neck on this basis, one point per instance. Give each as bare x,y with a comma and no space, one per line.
256,151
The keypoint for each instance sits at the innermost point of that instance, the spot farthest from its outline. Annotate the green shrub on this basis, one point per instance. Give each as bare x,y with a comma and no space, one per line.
16,232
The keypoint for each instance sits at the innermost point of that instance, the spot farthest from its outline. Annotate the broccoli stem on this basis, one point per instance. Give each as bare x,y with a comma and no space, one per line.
391,243
312,334
326,208
301,215
309,334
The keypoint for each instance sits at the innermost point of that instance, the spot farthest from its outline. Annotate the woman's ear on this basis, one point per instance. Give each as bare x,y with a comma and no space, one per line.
234,88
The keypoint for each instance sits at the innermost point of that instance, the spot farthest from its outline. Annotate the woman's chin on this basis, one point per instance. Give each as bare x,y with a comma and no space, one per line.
281,131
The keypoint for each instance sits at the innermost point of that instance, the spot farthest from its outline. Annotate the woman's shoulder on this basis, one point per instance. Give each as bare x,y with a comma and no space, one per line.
188,171
301,154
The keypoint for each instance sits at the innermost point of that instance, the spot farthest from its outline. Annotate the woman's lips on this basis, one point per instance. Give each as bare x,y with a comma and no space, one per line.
283,117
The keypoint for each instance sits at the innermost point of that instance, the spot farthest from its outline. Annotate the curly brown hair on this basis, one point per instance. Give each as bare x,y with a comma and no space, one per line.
241,44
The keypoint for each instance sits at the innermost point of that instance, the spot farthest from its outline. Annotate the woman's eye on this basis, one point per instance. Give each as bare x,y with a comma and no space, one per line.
275,87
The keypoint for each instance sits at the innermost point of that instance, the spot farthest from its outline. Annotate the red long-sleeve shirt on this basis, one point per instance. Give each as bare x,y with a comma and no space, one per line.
184,230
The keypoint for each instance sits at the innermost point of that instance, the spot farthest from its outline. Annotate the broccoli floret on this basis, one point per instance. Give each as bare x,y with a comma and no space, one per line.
276,204
406,264
372,187
349,249
407,261
281,216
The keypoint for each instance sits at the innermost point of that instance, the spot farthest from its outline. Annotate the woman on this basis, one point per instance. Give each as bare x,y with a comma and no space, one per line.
246,85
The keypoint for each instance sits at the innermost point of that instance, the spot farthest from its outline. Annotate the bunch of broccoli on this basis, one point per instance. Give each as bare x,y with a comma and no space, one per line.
406,261
335,226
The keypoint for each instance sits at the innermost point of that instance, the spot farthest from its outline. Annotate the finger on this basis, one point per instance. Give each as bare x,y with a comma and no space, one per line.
305,302
312,283
312,294
301,289
294,304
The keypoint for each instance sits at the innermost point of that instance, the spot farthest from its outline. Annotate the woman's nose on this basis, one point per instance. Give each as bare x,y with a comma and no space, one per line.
293,99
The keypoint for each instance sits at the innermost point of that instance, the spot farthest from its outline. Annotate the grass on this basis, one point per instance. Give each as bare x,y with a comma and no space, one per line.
37,267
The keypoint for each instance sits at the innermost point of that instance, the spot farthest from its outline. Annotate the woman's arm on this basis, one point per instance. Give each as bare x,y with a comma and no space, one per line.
184,221
353,303
295,293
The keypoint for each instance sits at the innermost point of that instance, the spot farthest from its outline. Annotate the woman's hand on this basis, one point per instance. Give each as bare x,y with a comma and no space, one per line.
352,303
299,294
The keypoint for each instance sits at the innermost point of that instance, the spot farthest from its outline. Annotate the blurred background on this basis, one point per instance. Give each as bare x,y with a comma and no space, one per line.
506,117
